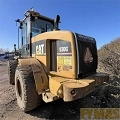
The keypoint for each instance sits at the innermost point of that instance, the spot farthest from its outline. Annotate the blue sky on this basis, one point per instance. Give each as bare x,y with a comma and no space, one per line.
96,18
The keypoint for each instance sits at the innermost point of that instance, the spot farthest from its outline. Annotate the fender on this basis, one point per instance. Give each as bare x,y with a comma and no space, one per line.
40,75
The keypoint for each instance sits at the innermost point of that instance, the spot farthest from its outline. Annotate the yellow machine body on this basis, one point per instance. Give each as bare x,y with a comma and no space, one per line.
61,83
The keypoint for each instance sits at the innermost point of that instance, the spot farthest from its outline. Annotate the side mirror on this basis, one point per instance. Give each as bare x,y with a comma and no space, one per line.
15,47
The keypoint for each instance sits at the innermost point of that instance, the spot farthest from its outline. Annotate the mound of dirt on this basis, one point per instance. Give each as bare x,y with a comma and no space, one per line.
108,95
109,58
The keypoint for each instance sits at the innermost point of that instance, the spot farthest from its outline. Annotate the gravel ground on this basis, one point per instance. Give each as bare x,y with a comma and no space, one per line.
105,96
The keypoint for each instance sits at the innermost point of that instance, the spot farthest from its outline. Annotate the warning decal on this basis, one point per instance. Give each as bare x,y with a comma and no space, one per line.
88,58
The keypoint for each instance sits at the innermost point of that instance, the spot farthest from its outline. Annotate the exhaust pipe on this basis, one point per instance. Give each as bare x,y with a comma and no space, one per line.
56,22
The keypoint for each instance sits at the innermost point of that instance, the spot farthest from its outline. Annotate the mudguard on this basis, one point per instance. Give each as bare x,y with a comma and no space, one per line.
40,76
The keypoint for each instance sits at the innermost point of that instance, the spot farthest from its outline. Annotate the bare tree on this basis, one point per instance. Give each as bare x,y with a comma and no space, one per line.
2,51
7,50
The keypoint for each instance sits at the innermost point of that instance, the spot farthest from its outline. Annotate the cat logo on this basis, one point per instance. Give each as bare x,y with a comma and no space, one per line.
40,49
88,58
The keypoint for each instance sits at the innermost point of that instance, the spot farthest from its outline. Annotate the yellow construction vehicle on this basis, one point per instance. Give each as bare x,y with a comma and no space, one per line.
52,63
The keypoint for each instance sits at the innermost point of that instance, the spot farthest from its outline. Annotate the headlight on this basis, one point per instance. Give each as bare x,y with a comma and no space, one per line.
73,92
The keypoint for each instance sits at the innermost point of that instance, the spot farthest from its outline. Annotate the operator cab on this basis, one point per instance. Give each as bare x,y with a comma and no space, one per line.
32,25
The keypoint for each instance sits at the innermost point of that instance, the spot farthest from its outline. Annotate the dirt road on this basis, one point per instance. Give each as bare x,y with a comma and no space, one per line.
55,110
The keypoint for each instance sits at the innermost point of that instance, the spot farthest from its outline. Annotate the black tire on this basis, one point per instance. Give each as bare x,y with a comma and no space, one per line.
12,64
27,96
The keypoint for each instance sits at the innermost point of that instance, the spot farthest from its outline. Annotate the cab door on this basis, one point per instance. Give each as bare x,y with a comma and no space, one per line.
26,39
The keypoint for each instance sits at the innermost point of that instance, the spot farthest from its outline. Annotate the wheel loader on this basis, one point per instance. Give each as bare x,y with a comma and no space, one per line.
52,63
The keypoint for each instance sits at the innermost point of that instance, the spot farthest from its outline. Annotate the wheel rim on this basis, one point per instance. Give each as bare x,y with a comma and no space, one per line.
19,90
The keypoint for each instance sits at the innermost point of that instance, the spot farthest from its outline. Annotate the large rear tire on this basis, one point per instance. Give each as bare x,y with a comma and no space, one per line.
12,64
27,96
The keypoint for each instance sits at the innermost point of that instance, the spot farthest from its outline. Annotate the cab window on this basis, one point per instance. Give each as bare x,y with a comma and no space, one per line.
40,26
